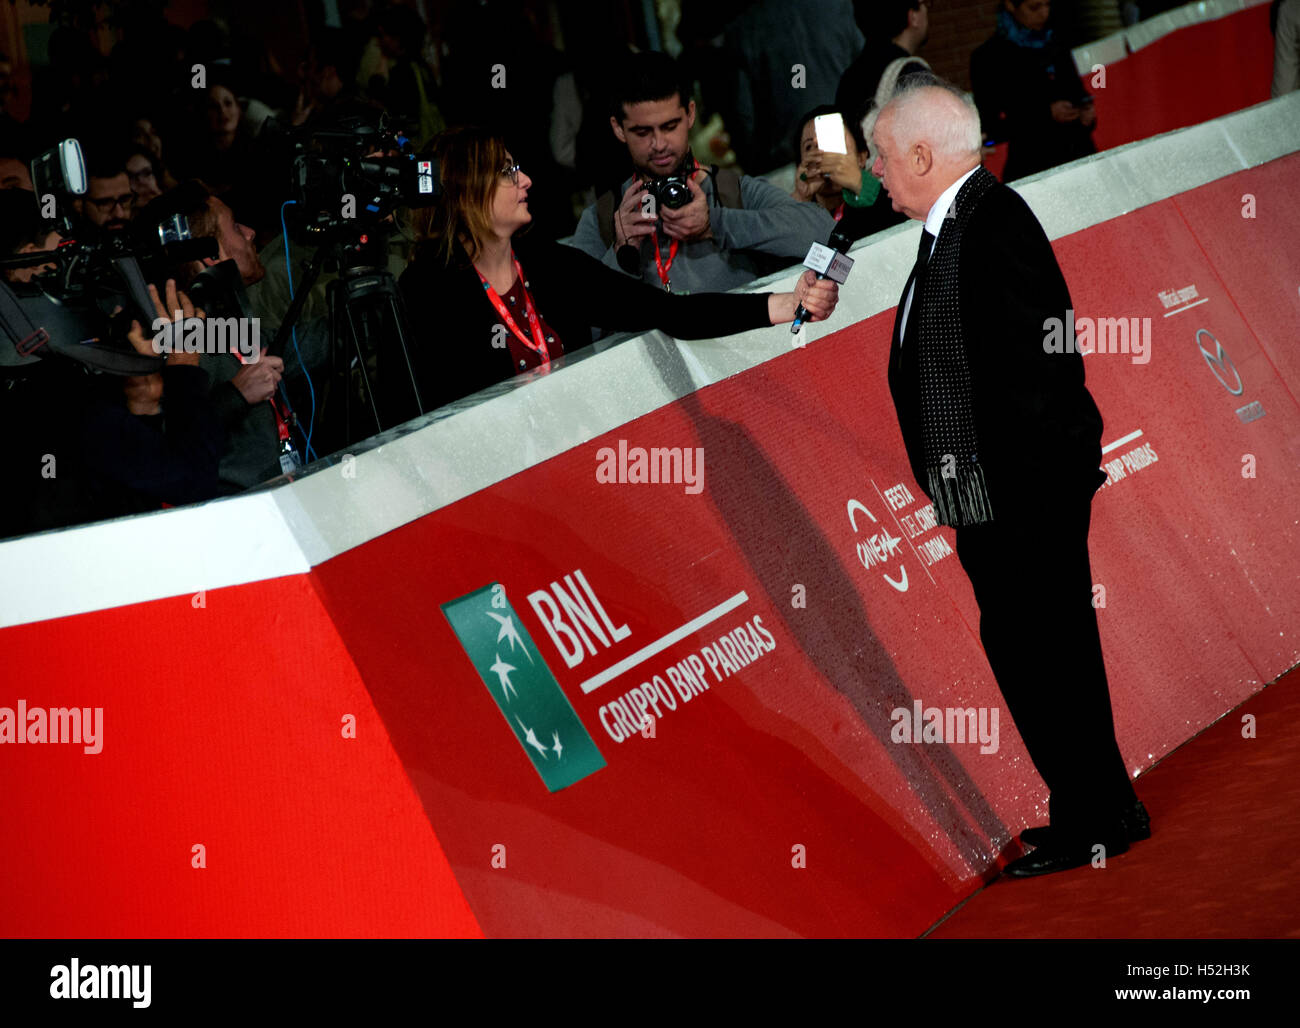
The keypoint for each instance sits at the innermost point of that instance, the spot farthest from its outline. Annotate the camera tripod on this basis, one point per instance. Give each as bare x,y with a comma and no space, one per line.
371,384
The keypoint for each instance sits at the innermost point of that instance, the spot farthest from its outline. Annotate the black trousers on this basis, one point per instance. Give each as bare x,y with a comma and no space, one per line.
1032,578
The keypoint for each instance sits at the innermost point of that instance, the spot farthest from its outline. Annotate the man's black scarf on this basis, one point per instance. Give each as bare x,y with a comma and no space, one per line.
955,479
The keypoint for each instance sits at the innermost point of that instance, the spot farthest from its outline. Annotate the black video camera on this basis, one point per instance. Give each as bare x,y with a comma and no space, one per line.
354,174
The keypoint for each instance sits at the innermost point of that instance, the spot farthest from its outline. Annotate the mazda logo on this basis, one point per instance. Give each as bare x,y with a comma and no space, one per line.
1220,363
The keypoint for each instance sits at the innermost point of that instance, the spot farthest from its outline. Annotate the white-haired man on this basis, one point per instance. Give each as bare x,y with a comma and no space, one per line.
1006,440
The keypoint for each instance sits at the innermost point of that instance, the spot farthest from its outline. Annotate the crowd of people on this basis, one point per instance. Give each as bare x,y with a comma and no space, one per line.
572,204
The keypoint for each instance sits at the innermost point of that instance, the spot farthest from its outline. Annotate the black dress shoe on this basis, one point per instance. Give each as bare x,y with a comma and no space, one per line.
1137,826
1062,856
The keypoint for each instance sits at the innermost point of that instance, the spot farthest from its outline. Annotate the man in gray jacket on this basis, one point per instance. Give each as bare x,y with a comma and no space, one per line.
733,228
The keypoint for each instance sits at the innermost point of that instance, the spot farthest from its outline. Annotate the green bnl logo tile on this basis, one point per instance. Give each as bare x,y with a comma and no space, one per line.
525,691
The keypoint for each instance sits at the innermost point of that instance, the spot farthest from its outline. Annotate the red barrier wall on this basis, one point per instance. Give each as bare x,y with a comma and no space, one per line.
774,802
1189,76
1201,600
222,728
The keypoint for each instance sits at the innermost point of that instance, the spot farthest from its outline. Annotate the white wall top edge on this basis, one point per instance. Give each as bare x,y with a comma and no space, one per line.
287,528
1106,50
188,550
1118,45
1144,33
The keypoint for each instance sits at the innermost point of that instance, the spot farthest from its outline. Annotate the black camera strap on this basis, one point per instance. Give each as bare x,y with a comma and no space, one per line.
31,343
24,336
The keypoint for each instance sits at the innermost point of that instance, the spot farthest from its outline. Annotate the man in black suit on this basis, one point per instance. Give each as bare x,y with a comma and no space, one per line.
1005,438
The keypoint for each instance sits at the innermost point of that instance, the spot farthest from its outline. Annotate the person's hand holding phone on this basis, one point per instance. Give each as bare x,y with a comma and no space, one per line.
843,170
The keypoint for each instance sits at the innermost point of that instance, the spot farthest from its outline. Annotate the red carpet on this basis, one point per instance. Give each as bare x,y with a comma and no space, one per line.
1223,860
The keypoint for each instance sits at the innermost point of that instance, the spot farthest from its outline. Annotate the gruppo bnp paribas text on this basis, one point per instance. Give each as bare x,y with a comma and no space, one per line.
578,624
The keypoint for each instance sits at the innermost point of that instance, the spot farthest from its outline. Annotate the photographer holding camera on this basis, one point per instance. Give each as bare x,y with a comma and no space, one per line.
243,386
104,421
486,302
677,226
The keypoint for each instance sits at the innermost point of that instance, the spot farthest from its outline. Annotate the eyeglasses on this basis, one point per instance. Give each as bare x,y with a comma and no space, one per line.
511,171
107,203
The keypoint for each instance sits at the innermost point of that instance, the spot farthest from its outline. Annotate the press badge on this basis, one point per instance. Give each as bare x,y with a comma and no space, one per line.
289,459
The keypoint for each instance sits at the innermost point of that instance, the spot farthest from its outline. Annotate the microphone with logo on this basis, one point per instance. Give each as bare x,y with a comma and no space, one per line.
828,261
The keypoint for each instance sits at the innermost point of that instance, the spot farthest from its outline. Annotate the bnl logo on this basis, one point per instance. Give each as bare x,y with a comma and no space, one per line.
523,687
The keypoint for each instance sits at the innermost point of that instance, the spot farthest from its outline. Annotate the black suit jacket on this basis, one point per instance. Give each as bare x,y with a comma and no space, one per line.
1037,424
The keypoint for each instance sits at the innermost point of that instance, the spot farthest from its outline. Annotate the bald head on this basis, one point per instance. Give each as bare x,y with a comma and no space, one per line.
927,137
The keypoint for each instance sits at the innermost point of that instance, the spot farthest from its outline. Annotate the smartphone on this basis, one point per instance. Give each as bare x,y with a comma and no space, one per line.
830,133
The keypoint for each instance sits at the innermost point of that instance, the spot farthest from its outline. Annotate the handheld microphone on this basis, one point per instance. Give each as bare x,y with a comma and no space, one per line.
828,261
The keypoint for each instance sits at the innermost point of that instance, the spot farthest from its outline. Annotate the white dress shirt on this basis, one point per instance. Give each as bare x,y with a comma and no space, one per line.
933,223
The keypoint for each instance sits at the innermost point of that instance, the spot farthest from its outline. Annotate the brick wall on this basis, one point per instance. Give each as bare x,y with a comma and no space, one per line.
956,28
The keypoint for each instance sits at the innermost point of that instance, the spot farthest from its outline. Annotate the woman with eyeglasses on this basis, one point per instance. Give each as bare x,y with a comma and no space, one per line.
486,302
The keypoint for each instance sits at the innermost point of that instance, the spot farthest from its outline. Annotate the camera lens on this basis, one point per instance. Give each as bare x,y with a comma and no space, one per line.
675,194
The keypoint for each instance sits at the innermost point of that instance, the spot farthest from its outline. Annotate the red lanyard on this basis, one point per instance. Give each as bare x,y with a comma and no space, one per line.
659,263
281,424
672,251
538,343
839,211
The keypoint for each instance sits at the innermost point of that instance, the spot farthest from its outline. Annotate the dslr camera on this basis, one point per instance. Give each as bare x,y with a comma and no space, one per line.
672,191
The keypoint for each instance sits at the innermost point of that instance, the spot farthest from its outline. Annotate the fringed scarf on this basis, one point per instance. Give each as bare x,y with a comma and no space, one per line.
955,479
